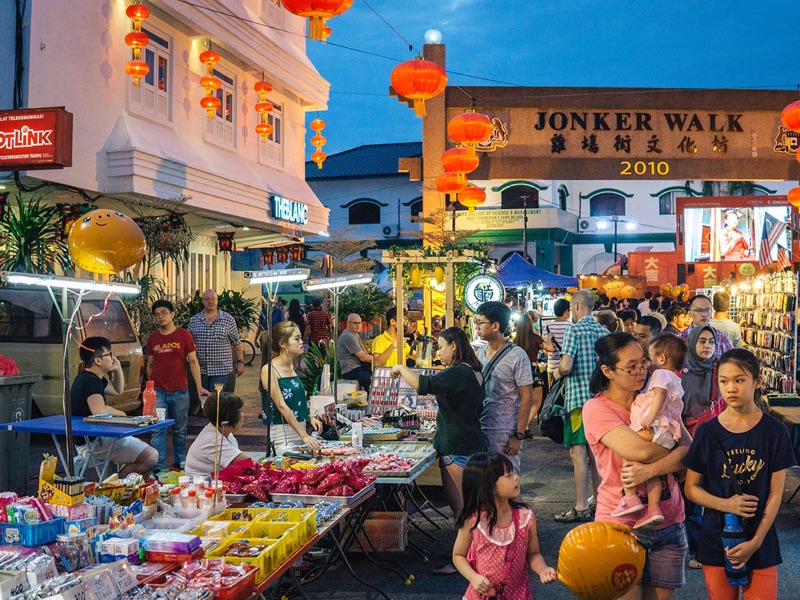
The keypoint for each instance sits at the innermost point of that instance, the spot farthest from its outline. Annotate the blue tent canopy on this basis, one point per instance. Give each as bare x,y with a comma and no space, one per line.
515,271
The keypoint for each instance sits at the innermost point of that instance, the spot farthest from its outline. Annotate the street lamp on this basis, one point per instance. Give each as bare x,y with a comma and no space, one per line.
336,285
605,224
272,280
80,287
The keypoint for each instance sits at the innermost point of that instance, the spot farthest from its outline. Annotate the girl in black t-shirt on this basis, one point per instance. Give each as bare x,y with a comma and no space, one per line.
744,443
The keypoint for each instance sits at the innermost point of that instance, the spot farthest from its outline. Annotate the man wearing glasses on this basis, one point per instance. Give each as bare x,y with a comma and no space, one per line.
351,354
101,375
700,312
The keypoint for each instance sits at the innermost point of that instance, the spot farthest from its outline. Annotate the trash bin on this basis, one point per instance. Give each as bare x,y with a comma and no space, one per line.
16,393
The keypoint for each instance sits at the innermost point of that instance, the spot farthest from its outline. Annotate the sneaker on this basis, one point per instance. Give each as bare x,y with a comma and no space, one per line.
627,506
573,515
651,518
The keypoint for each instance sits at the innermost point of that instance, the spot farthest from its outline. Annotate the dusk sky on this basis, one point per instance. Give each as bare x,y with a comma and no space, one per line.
623,43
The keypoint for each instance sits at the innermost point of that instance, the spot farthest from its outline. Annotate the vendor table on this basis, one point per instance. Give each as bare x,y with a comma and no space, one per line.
790,415
91,432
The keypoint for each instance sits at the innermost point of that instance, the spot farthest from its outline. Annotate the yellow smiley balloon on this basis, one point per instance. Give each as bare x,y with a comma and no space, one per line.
105,241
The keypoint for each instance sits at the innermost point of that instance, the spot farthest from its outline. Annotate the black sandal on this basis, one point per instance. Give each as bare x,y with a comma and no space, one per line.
573,515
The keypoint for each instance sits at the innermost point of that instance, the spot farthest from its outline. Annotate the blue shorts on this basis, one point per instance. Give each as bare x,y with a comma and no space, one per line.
449,459
666,558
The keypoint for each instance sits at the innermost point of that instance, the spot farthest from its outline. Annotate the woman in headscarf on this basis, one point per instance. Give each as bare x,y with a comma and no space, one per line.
701,402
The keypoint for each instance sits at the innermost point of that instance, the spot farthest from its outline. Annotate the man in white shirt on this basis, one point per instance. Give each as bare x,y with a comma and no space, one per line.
722,320
644,306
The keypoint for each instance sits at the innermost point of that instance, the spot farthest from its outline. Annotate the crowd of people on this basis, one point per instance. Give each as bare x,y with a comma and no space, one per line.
650,387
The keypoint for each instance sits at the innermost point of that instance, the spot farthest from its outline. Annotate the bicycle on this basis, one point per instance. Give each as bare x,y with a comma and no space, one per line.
248,352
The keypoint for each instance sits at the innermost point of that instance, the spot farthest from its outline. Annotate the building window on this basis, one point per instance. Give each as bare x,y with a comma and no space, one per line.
520,196
271,151
416,207
220,129
272,13
151,97
607,204
365,212
666,203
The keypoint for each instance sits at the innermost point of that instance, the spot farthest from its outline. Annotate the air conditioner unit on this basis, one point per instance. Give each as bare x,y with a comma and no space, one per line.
391,231
587,225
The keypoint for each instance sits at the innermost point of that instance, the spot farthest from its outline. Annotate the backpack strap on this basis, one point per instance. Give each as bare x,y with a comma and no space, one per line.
489,368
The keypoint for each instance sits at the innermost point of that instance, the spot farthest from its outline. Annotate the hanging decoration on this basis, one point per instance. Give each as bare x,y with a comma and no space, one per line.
451,183
269,256
471,197
794,197
318,141
317,12
211,83
459,160
283,255
419,80
136,40
470,129
263,108
225,241
790,116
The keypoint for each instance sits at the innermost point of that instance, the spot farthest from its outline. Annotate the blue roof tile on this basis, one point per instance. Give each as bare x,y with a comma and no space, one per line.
372,160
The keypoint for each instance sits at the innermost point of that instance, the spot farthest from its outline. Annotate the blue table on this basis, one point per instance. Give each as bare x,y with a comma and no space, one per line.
91,432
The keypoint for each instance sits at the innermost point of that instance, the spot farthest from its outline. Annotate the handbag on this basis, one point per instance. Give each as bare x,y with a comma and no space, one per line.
551,421
717,406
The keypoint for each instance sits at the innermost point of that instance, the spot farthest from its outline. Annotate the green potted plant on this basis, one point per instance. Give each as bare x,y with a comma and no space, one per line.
368,301
33,238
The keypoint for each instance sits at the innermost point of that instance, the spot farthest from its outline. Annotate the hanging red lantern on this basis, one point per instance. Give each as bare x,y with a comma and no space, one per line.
136,40
319,157
269,256
794,197
210,82
317,12
283,255
225,241
419,80
263,106
471,197
451,183
790,116
470,129
318,141
317,125
459,160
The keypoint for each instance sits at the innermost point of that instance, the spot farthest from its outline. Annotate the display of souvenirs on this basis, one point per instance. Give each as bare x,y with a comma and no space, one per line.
388,392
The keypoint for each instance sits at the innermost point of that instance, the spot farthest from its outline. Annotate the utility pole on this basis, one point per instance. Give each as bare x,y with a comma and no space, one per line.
525,226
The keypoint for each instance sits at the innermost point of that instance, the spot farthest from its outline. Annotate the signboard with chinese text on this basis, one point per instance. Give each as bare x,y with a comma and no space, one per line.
35,138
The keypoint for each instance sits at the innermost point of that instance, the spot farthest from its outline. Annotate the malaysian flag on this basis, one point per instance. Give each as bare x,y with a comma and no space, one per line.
770,233
783,258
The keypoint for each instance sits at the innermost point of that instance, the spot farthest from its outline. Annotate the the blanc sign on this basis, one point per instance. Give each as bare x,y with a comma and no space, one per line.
289,210
483,288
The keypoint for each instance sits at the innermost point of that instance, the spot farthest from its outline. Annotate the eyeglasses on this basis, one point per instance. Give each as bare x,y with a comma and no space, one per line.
643,366
354,322
702,311
480,323
161,313
104,355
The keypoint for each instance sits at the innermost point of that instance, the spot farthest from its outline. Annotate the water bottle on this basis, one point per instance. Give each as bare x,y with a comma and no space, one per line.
149,400
732,536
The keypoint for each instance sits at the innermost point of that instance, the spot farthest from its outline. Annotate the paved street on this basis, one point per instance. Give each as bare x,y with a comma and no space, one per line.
546,485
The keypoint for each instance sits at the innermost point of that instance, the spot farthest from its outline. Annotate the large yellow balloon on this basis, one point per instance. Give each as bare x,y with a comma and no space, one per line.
105,241
666,288
614,289
600,561
629,291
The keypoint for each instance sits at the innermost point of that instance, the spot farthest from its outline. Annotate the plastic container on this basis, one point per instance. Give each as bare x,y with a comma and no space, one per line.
149,400
72,551
32,535
732,535
305,517
267,561
16,393
167,524
221,529
288,534
174,557
246,515
388,532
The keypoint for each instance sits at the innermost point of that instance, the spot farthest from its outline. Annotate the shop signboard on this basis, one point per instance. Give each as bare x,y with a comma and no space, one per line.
496,219
35,138
483,288
288,210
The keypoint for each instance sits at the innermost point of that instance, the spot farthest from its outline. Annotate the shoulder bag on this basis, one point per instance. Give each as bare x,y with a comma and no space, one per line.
551,419
717,406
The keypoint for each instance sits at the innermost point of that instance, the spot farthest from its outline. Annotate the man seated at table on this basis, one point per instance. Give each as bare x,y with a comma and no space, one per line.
351,354
102,374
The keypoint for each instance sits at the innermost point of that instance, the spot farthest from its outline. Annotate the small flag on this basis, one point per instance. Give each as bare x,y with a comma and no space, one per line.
783,258
770,233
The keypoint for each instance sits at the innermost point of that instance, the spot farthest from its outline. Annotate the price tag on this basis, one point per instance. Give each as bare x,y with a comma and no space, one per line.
45,573
123,576
12,583
100,587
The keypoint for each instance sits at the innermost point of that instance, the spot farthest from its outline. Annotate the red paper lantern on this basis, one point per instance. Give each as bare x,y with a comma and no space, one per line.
790,116
264,130
137,69
318,141
263,106
451,183
137,13
225,241
470,129
317,12
269,256
319,157
283,255
459,160
210,82
136,40
794,197
211,104
419,80
317,124
471,197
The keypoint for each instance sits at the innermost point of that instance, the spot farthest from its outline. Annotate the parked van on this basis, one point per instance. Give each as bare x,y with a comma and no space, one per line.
31,334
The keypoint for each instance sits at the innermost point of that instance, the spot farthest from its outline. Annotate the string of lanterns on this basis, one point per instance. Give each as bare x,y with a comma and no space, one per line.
263,108
210,82
790,117
294,253
136,40
318,141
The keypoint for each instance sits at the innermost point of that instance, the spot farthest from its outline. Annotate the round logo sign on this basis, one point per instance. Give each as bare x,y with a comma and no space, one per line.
747,269
482,288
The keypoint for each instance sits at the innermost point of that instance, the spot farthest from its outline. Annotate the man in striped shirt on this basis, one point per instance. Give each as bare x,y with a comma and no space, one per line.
318,323
554,335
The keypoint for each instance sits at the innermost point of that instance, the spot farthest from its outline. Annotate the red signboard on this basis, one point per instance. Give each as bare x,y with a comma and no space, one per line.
35,138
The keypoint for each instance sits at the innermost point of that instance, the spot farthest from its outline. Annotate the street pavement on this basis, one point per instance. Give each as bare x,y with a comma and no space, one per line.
547,486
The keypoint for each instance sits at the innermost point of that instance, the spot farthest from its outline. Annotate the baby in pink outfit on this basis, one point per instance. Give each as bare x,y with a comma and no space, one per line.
656,417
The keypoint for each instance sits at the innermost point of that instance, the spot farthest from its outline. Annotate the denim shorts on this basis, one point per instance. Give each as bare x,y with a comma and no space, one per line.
449,459
666,557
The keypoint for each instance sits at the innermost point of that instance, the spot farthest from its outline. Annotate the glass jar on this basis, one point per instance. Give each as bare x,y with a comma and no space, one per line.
72,550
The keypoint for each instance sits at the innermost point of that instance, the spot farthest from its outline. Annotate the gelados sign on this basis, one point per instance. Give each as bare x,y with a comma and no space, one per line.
483,288
35,138
289,210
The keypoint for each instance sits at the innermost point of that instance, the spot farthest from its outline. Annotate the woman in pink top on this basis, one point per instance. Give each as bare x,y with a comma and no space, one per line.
625,459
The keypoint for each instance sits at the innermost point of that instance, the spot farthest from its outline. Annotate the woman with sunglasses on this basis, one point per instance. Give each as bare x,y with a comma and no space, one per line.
625,459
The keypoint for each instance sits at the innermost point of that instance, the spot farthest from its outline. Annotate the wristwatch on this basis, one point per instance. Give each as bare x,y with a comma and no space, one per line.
519,436
240,361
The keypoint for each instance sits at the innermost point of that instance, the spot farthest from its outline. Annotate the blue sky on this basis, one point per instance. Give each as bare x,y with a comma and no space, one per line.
611,43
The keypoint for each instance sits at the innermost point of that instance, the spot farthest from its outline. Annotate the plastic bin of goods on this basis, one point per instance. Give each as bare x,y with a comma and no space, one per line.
264,554
287,533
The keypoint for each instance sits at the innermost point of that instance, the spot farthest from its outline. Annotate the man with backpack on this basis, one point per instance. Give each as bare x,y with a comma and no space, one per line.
554,335
508,382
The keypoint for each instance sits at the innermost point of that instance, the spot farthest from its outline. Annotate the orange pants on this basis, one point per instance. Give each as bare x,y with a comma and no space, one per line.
763,584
